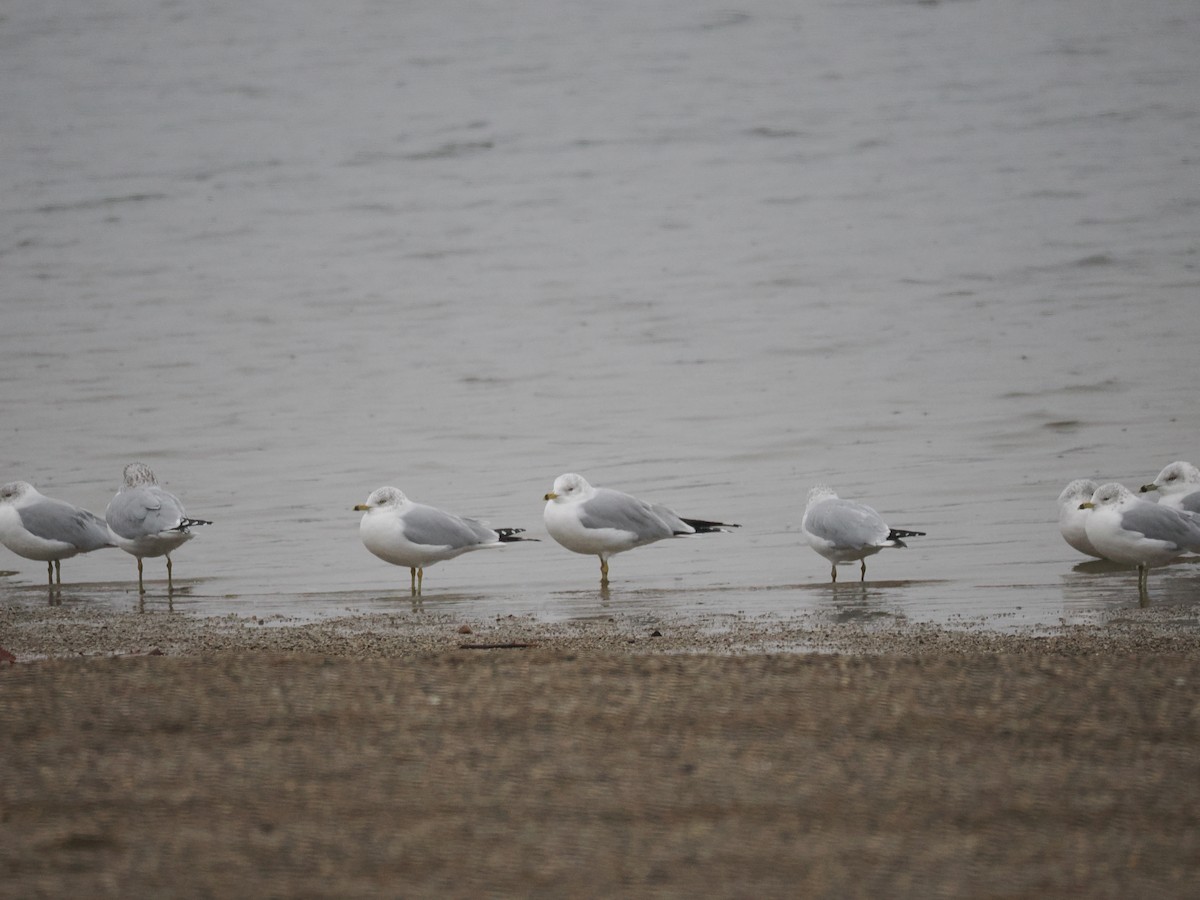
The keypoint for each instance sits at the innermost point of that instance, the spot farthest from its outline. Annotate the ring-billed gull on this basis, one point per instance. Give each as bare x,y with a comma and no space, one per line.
603,522
148,521
38,527
405,533
843,531
1137,532
1072,521
1178,486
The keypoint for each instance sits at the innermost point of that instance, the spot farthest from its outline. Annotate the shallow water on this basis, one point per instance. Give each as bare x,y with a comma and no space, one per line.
941,256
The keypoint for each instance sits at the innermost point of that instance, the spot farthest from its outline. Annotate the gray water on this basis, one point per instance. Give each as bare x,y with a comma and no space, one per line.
940,255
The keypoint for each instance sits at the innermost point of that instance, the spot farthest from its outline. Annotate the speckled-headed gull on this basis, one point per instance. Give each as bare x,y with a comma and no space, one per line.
843,531
148,521
1177,486
1072,520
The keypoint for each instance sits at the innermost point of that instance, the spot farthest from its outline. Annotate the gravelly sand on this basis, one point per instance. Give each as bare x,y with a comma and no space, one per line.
373,756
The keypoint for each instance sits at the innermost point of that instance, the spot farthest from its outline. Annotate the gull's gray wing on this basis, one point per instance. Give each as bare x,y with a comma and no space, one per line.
143,510
1161,523
431,526
1191,502
613,509
846,524
57,520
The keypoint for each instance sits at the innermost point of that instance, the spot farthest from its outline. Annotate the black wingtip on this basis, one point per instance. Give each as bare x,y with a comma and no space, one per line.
509,535
702,526
185,524
896,533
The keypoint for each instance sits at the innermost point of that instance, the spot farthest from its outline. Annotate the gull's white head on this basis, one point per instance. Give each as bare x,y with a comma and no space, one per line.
15,491
383,497
820,492
1109,495
569,487
1076,492
137,474
1177,478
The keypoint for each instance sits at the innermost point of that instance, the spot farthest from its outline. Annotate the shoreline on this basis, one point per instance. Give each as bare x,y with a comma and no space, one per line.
54,632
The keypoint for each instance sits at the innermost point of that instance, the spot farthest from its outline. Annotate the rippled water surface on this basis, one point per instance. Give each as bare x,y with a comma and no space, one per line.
941,255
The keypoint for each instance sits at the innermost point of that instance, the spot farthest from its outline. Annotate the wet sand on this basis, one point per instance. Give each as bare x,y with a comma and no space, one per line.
385,755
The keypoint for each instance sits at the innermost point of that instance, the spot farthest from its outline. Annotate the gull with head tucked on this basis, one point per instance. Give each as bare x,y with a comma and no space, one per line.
147,520
1136,532
38,527
843,531
405,533
603,522
1178,486
1072,521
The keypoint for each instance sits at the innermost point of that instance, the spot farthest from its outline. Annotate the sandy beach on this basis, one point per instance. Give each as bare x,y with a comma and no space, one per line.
146,755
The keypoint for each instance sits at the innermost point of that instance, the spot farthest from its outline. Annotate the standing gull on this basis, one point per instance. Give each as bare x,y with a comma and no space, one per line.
1136,532
147,521
38,527
843,531
405,533
1072,521
1178,486
603,522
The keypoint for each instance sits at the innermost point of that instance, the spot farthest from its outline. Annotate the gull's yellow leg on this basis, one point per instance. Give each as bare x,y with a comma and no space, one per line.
420,578
603,572
833,572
